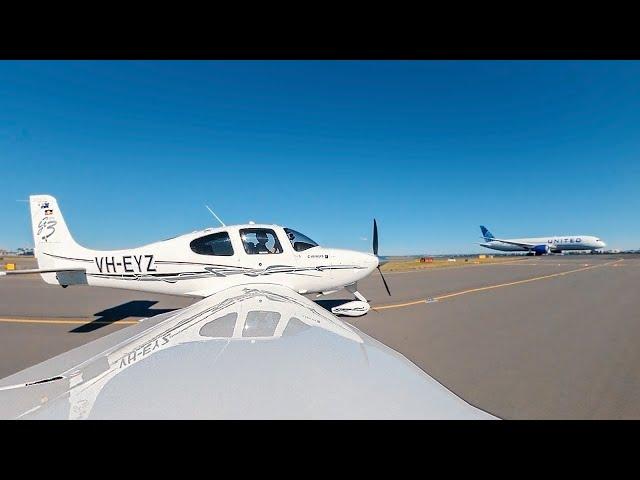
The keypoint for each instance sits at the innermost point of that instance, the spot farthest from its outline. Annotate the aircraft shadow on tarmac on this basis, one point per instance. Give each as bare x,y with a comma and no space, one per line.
134,308
329,304
142,309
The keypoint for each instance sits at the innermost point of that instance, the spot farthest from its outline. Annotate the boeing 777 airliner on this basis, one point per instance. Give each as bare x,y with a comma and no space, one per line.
541,245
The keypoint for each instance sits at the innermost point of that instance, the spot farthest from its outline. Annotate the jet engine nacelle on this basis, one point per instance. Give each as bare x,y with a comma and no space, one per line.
541,249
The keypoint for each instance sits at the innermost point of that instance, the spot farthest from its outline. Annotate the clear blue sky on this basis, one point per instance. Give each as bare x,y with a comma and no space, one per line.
133,150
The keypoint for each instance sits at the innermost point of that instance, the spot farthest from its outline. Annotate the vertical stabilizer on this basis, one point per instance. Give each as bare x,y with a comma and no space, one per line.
51,238
488,236
48,223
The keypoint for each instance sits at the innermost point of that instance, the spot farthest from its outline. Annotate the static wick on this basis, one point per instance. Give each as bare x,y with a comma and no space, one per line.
214,214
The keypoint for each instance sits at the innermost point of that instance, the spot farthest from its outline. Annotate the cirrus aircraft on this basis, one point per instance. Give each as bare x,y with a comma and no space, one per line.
203,262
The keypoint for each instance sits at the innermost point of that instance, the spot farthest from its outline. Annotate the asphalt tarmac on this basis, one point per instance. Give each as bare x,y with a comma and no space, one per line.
542,337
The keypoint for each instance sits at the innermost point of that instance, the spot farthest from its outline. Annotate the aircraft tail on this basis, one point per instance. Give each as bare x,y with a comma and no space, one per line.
54,247
488,236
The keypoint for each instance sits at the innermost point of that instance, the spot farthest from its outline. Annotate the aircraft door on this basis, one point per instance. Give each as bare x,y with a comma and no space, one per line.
262,248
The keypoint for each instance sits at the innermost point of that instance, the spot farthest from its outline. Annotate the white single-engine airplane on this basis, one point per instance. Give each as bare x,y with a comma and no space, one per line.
253,348
201,263
541,245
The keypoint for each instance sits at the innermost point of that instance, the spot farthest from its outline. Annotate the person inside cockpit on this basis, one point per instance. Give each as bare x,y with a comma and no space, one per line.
261,247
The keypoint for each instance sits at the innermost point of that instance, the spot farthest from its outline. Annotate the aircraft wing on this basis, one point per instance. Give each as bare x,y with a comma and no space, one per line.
257,351
519,244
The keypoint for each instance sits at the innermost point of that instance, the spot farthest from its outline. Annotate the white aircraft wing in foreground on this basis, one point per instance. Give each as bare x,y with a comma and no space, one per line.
258,351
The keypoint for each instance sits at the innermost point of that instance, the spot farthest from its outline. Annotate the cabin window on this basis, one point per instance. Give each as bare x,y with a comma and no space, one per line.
299,241
218,244
260,241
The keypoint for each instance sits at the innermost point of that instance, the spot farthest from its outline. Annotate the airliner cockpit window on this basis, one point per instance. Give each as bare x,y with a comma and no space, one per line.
260,241
299,241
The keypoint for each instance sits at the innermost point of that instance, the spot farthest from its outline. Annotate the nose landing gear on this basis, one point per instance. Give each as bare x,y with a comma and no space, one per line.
355,308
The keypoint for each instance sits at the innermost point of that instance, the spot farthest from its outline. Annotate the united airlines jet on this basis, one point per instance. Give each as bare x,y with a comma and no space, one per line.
541,245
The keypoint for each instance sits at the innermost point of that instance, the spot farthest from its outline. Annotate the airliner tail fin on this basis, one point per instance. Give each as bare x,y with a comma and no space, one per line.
488,236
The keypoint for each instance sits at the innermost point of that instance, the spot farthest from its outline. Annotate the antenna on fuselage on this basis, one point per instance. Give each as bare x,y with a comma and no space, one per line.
214,214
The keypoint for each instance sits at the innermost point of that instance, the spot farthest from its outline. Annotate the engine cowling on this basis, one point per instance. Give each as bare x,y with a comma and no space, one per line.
541,249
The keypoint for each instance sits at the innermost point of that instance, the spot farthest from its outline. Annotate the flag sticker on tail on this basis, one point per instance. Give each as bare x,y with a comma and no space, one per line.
488,236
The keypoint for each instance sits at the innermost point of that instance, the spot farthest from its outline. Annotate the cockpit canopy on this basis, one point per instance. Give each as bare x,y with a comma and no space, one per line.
299,241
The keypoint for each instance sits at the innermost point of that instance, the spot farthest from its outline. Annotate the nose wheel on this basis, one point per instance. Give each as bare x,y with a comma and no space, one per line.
355,308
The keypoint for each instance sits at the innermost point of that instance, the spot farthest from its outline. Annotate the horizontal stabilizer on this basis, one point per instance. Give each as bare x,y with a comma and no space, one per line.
42,270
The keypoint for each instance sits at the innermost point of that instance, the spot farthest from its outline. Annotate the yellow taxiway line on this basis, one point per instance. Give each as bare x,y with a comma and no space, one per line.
59,321
492,287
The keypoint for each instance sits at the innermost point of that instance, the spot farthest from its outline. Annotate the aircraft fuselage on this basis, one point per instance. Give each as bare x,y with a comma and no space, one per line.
556,243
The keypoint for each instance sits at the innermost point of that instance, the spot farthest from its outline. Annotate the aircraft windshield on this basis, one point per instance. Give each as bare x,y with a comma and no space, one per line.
299,241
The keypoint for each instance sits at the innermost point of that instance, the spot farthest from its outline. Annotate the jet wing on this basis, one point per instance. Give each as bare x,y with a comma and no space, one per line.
257,351
519,244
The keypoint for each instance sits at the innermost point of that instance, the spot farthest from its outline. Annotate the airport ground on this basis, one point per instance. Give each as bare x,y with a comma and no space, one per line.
535,337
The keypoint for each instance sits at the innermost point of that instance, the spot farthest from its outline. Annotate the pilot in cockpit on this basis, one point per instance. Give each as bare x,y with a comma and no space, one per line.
261,247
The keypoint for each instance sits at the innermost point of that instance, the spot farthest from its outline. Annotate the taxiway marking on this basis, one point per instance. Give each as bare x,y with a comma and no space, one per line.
492,287
56,321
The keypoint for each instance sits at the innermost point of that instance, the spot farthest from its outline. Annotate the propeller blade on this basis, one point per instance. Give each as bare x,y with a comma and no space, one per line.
384,281
375,238
375,252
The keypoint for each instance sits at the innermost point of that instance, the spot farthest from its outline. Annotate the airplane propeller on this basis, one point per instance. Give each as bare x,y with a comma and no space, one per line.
375,252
